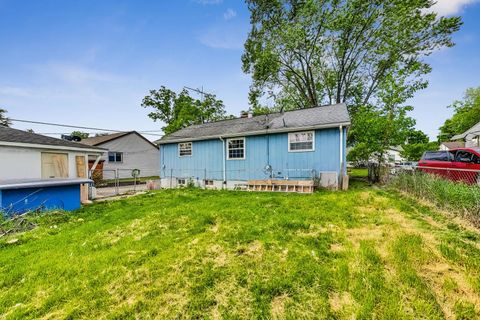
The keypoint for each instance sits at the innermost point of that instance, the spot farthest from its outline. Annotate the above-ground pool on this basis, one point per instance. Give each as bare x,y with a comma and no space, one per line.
20,196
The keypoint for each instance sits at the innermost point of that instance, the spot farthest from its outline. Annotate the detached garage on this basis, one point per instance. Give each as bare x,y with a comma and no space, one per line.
39,172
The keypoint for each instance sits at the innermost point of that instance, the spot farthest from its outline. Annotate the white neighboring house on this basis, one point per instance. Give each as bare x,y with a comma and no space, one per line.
393,155
471,136
449,145
127,151
25,155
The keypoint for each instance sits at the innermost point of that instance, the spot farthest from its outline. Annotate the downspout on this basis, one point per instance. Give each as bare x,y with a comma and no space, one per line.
224,163
341,157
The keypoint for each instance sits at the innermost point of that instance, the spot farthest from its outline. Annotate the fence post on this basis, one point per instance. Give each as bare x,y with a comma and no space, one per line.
117,182
171,177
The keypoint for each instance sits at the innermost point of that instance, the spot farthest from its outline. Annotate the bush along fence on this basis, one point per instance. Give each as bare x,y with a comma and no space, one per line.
456,190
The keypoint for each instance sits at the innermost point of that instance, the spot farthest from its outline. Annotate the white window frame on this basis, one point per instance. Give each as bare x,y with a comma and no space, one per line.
244,148
115,152
301,150
185,155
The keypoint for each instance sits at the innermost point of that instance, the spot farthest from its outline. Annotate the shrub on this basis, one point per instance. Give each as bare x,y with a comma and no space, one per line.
459,198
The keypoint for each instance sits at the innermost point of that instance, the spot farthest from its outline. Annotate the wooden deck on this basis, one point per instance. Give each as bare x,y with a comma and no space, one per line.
299,186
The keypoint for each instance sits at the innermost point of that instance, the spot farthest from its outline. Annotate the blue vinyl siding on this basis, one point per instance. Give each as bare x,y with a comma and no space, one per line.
207,158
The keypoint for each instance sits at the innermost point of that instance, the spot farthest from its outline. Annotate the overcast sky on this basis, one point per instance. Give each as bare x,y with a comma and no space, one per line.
90,63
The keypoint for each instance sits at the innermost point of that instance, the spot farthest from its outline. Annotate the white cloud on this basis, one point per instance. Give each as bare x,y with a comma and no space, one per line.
207,2
15,91
76,74
229,14
449,7
222,37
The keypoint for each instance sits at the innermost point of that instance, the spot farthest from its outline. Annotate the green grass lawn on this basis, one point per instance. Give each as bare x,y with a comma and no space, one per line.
358,172
362,254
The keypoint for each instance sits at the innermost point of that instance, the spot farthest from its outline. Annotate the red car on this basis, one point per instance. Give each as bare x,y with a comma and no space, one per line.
458,164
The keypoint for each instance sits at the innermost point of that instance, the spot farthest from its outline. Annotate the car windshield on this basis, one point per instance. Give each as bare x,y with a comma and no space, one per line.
437,156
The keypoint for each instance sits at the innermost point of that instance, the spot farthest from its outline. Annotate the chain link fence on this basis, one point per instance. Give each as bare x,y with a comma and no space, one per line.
113,182
236,178
456,190
108,182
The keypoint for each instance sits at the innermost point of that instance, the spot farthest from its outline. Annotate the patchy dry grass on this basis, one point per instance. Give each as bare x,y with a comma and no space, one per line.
209,254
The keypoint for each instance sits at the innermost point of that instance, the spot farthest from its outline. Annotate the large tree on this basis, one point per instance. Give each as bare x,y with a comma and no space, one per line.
4,121
304,53
180,110
466,115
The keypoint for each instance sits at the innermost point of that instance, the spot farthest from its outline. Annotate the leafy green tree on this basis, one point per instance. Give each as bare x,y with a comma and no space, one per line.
4,121
417,142
82,135
417,137
180,110
313,52
466,115
414,151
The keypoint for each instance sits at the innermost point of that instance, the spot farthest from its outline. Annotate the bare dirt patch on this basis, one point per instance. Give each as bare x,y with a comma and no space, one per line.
278,306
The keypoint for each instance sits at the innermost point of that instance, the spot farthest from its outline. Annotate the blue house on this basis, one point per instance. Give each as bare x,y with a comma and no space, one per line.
294,145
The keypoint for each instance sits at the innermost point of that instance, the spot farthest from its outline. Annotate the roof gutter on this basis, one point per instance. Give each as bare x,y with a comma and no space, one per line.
51,147
258,132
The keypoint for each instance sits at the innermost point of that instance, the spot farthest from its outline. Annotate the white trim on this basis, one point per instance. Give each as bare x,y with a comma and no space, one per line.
50,147
303,150
224,163
115,152
341,149
191,149
244,148
258,132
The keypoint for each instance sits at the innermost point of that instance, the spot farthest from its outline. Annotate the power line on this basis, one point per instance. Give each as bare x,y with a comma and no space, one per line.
63,125
81,127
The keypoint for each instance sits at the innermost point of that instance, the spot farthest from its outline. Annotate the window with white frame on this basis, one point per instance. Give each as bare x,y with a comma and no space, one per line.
236,148
185,149
301,141
115,157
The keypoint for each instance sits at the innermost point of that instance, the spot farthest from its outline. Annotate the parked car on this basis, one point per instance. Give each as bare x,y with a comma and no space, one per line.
400,167
461,164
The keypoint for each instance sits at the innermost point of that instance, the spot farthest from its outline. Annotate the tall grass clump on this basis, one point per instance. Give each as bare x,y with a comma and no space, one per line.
457,197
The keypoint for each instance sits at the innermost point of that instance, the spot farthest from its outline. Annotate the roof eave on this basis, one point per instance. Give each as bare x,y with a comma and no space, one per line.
259,132
48,146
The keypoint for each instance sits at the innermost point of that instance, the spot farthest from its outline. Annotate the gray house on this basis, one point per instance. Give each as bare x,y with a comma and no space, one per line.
126,151
471,136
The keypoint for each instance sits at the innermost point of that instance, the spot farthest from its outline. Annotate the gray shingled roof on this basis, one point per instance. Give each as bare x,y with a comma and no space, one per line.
473,130
93,141
318,117
18,136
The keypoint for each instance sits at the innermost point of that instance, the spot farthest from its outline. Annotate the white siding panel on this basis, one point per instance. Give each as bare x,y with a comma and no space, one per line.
26,163
137,154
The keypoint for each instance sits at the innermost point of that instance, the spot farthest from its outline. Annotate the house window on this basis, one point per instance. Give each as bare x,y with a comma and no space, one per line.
301,141
54,165
115,157
209,182
182,182
185,149
236,148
